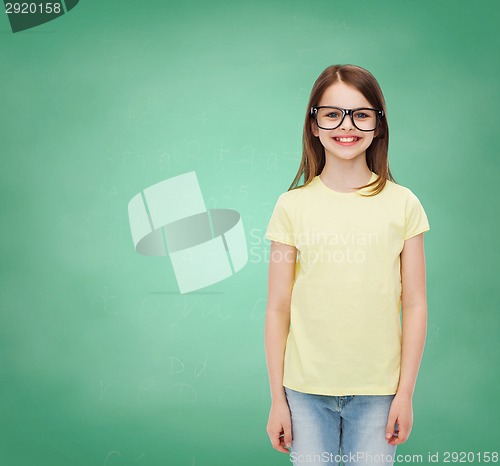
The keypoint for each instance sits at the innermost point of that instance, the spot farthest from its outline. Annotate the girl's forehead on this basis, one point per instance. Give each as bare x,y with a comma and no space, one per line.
342,95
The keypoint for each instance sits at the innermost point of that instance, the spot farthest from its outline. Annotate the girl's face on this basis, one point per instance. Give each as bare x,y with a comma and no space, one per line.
344,96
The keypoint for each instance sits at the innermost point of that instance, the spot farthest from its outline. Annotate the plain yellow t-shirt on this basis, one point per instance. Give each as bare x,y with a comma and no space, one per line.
345,330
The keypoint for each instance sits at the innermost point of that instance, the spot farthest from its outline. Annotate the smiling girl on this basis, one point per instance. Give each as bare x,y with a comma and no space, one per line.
347,250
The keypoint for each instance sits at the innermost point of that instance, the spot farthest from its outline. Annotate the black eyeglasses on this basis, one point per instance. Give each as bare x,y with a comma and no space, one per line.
363,118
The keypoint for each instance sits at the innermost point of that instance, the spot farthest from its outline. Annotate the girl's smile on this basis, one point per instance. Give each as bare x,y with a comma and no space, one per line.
346,140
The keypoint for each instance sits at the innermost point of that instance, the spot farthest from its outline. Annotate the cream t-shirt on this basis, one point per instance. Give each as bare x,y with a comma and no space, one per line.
345,330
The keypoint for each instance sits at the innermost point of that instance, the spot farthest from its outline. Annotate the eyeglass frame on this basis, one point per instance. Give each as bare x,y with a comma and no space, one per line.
347,111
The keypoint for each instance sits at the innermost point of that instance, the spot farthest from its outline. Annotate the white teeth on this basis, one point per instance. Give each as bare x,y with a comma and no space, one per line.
346,139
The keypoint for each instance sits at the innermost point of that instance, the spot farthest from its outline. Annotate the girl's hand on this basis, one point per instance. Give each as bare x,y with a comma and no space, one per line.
401,412
279,426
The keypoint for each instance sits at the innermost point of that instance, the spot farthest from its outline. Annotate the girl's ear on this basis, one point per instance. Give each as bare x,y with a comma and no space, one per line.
314,129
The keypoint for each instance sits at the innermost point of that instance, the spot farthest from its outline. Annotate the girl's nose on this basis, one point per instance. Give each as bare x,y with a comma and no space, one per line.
347,123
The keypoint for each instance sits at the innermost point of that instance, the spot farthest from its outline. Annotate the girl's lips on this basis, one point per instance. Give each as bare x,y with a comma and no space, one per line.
347,143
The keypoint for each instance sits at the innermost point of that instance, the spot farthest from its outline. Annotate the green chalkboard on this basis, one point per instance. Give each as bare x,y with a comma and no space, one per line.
104,361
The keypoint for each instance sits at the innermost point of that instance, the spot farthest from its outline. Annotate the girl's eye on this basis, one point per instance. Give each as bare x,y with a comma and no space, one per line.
333,115
361,115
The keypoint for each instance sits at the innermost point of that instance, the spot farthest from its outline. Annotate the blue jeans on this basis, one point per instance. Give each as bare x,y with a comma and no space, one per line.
327,429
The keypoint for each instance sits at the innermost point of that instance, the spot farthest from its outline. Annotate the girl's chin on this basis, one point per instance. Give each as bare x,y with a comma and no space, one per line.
344,154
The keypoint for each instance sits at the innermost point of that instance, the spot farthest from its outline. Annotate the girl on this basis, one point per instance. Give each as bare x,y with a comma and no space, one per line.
342,372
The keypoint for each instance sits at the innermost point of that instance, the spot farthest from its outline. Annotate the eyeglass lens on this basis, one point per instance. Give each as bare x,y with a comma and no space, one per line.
364,119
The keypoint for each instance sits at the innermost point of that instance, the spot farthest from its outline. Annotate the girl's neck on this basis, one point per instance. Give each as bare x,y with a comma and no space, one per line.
345,177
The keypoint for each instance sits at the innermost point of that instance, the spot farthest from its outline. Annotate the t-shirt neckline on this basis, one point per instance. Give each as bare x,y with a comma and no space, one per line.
340,193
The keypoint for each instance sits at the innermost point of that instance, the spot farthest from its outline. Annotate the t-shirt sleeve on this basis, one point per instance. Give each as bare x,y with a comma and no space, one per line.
280,225
416,218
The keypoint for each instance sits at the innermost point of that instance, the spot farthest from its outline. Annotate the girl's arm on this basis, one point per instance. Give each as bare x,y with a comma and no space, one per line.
280,283
414,301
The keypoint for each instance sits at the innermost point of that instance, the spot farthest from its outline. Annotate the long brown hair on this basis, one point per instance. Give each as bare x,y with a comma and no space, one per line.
313,152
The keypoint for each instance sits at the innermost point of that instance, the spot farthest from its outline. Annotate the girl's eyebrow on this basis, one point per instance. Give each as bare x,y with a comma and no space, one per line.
335,105
346,108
